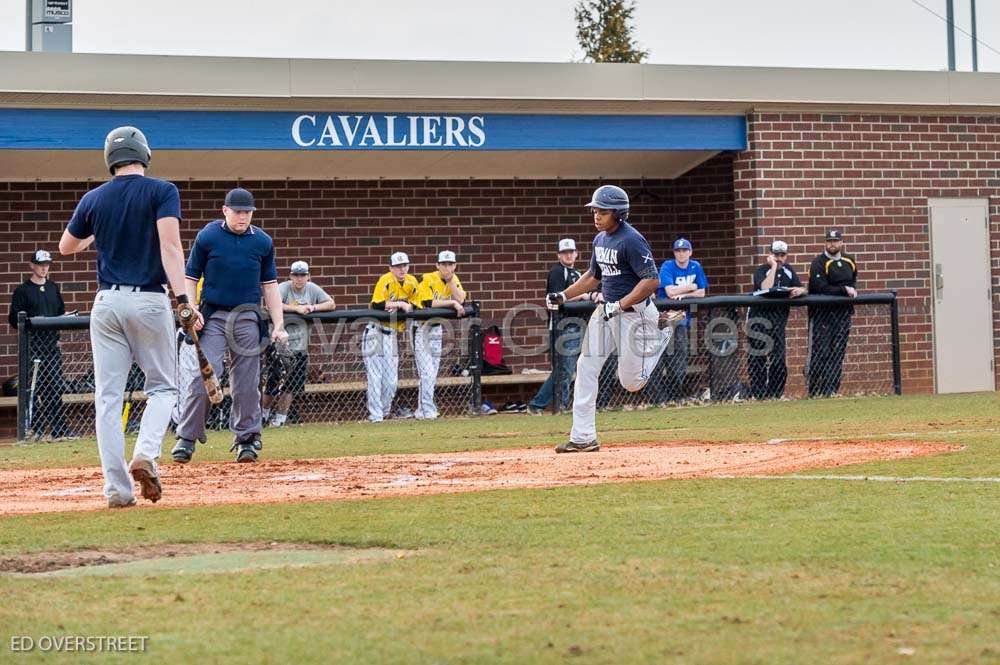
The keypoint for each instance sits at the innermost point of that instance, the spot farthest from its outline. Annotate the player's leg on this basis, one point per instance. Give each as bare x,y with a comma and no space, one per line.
371,353
149,329
840,332
390,377
112,362
428,346
212,339
244,375
597,344
761,334
640,344
778,371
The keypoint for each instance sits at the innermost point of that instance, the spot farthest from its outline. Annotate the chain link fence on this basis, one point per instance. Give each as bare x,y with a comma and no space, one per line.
734,348
356,365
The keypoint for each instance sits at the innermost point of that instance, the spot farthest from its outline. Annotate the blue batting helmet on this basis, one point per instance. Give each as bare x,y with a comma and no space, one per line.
610,197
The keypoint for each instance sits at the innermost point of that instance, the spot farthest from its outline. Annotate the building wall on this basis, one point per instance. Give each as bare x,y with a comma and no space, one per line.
504,231
870,175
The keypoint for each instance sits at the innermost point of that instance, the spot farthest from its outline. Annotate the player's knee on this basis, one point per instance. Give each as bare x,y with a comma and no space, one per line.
633,385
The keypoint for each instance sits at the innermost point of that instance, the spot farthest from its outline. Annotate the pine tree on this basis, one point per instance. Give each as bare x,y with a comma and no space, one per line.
604,30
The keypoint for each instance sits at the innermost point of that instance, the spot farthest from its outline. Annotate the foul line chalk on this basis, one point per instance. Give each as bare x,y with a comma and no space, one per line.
877,479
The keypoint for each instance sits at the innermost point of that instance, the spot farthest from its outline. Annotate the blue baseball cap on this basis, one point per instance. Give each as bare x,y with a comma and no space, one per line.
683,243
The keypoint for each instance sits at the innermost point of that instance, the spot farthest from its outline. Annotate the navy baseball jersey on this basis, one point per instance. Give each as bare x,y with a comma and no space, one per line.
234,265
621,260
121,214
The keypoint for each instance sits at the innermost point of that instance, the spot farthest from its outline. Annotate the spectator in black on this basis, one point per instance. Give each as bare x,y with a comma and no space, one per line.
39,296
766,325
567,337
832,273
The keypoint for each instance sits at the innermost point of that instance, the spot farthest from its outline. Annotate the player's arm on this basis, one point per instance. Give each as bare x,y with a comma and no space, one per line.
70,244
644,289
172,254
326,306
585,284
818,282
272,301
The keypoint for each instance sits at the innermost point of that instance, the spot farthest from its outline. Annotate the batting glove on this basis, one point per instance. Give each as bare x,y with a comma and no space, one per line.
553,300
611,310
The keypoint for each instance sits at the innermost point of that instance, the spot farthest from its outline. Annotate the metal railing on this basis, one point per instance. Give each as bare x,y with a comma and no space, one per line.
748,347
326,383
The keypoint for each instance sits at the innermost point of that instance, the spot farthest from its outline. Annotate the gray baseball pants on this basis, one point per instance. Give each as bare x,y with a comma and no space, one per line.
237,331
126,326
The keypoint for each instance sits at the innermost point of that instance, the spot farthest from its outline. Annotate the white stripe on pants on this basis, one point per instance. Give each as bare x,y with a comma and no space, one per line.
427,355
636,336
127,326
381,356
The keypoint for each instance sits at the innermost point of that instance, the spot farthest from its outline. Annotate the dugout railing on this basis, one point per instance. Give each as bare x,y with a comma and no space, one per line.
832,345
55,394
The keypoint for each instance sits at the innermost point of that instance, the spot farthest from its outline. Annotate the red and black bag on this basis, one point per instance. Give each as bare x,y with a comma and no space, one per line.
493,352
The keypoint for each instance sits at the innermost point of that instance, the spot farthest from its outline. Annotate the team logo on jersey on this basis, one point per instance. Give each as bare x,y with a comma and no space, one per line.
607,258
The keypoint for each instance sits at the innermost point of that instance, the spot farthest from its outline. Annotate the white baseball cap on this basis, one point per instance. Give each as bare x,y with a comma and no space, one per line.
446,257
779,246
567,245
300,268
398,259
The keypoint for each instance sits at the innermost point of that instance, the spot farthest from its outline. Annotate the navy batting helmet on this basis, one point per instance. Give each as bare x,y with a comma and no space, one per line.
610,197
125,145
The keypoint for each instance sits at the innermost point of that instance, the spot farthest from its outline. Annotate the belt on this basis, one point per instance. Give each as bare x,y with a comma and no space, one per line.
145,288
382,330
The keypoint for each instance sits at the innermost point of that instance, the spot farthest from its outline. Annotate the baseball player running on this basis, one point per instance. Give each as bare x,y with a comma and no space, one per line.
440,288
395,291
133,222
627,322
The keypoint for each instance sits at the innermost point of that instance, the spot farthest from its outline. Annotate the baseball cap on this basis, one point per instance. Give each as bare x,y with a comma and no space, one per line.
300,268
41,256
446,256
398,259
834,234
779,246
239,199
682,243
567,245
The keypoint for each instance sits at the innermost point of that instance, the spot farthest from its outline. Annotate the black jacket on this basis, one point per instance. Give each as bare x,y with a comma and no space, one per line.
828,277
37,300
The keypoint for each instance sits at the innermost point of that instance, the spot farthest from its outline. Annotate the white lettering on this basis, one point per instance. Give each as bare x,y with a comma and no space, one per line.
431,125
329,132
371,132
345,125
390,132
477,130
453,127
413,130
297,129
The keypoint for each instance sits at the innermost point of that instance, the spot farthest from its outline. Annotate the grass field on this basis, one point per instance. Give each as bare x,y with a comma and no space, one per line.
693,571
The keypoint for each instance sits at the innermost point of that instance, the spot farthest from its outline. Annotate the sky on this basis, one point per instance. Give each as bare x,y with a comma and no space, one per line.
858,34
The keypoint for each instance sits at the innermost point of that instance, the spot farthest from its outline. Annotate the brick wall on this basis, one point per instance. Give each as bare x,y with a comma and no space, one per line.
870,175
504,231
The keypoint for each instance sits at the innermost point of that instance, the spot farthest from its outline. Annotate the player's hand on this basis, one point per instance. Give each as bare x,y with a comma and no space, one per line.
302,309
611,310
851,291
771,261
279,336
459,309
554,300
797,291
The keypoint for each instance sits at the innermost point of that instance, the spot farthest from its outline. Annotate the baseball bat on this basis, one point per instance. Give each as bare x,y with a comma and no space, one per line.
207,373
31,394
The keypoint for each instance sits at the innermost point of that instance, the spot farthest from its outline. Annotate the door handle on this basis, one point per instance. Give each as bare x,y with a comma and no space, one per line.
938,282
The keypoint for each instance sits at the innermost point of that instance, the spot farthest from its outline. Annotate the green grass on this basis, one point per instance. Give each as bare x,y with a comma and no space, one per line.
727,571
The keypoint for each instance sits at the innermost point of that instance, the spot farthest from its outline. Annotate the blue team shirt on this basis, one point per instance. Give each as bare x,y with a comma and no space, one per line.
672,274
234,265
121,214
621,260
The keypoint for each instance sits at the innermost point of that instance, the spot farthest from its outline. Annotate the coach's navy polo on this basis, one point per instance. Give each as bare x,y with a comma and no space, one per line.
121,214
234,265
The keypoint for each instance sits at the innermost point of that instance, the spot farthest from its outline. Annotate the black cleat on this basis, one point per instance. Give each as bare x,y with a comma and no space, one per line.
246,450
574,447
183,451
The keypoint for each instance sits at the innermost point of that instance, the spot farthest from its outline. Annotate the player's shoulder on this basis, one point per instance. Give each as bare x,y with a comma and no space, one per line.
427,277
849,257
695,264
210,229
262,234
410,279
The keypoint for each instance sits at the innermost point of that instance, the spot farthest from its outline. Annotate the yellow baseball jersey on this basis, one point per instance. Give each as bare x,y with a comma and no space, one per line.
432,287
389,289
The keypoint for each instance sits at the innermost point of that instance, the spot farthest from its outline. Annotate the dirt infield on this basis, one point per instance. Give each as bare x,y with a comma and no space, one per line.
211,483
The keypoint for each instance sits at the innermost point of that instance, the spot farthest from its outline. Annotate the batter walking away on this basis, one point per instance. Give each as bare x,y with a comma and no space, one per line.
237,261
623,265
134,224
